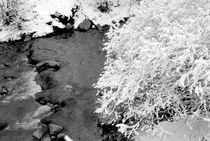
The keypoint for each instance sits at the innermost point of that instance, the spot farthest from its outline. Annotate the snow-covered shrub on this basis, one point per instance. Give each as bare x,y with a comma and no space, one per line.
104,12
9,12
159,60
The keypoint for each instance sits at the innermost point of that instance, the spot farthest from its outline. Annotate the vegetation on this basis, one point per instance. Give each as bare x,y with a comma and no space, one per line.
9,10
158,66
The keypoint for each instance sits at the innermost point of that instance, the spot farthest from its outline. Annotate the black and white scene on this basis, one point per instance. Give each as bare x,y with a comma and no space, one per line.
104,70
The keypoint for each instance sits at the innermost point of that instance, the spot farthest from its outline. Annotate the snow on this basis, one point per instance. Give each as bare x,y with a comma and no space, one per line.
88,9
67,138
189,129
37,13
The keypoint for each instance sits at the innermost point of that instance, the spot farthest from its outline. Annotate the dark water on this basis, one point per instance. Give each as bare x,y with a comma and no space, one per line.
64,68
81,62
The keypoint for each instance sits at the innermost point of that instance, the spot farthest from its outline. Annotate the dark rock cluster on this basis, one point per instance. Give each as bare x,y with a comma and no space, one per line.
49,132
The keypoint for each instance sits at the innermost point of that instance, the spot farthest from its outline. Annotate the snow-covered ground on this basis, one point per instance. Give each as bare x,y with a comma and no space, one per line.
189,129
37,14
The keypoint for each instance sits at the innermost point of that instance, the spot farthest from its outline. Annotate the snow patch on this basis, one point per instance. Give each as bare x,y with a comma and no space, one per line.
36,15
189,129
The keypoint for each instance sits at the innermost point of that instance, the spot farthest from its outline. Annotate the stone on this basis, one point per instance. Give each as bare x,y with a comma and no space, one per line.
55,129
67,138
85,25
3,126
68,102
4,91
69,26
27,38
44,128
60,137
53,138
47,65
3,66
47,138
63,137
99,27
68,88
38,134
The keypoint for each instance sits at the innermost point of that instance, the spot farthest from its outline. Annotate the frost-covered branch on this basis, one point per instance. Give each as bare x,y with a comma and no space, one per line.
159,61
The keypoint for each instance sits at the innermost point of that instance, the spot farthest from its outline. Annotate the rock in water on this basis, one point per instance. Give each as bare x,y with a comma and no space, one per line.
4,91
3,126
60,137
47,138
55,129
63,137
67,138
85,25
38,134
69,26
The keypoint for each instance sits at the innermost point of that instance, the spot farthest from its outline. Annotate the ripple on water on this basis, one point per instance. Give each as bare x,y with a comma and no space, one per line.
20,109
24,87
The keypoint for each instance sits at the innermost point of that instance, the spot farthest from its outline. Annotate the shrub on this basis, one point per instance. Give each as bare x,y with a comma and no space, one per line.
9,11
159,61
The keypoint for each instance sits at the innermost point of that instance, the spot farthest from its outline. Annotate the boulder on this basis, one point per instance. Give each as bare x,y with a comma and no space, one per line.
38,134
55,129
85,25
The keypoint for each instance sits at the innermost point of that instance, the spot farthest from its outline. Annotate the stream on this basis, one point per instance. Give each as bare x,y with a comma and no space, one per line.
49,80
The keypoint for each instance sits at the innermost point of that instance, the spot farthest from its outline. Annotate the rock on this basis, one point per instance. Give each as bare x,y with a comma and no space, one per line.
55,129
3,66
99,27
68,102
66,138
44,129
69,26
4,91
41,100
53,138
60,137
68,88
47,138
85,25
63,137
47,65
27,38
3,126
46,120
38,134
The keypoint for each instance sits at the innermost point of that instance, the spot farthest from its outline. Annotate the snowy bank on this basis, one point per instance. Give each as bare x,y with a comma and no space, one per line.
35,16
189,129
